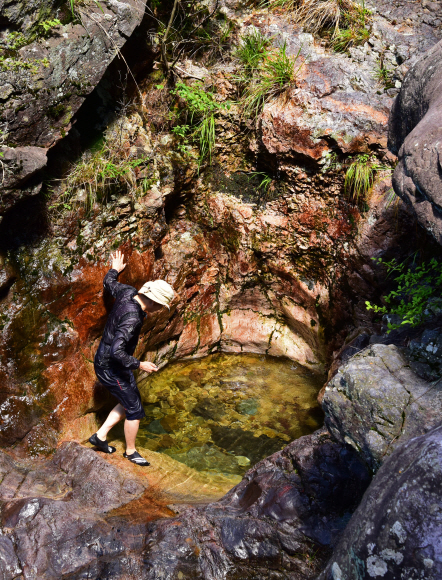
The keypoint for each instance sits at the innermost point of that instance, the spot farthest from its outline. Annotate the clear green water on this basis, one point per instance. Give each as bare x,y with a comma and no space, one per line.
223,413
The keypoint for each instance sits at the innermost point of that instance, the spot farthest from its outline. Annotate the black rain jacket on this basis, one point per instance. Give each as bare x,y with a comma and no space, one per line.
122,330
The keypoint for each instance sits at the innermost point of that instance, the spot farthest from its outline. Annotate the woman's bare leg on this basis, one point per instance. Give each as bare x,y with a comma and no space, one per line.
113,418
130,432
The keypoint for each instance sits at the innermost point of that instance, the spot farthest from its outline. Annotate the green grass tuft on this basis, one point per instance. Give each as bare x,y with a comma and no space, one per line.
252,50
274,75
360,177
102,172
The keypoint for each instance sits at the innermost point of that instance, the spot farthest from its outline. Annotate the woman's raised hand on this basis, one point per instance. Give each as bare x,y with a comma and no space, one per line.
118,261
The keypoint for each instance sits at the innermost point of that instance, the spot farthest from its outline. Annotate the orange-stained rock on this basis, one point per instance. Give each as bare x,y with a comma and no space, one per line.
209,332
188,340
246,331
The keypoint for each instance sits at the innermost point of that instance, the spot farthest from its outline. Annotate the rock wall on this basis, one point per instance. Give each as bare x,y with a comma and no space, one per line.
285,274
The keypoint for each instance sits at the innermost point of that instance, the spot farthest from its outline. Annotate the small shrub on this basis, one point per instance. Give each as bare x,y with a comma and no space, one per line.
13,41
202,109
48,25
343,38
360,176
265,181
417,295
383,75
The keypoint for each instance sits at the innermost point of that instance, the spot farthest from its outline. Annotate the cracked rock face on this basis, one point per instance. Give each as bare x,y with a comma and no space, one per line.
376,401
396,531
415,136
45,78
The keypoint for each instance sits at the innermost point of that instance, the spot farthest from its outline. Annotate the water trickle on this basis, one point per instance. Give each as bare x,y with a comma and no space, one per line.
223,413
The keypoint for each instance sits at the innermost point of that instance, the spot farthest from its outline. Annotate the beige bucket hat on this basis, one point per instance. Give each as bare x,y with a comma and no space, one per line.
159,291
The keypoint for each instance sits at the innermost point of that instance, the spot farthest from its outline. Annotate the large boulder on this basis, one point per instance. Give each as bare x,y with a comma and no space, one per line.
19,165
396,531
376,401
50,77
415,135
279,522
48,70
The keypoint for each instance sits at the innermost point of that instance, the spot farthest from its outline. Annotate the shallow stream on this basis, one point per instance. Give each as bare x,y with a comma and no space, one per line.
223,413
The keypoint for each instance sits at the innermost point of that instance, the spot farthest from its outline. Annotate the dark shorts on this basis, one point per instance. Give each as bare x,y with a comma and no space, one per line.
121,383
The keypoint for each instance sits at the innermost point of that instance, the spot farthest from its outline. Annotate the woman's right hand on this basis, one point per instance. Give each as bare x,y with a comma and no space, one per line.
148,367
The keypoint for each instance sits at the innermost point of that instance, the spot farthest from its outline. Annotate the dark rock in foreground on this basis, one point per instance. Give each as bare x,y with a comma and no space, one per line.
59,520
396,531
77,516
415,135
279,522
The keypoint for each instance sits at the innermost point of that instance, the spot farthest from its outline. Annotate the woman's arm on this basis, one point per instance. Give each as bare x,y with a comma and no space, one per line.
110,282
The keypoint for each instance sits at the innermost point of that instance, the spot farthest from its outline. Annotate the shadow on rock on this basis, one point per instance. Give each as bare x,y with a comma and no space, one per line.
279,522
396,531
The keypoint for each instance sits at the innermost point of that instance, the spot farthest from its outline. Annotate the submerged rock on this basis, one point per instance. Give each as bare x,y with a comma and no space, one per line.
396,531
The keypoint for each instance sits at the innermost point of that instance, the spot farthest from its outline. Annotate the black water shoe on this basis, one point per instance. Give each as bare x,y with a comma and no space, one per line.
136,458
101,445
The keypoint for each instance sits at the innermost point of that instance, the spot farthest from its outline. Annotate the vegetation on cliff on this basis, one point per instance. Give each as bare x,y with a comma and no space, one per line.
417,295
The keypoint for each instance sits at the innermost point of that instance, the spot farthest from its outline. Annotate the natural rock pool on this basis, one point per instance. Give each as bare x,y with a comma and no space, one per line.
223,413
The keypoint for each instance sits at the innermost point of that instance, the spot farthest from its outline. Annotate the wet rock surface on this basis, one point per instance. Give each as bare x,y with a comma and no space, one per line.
396,530
376,401
288,507
71,517
60,517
